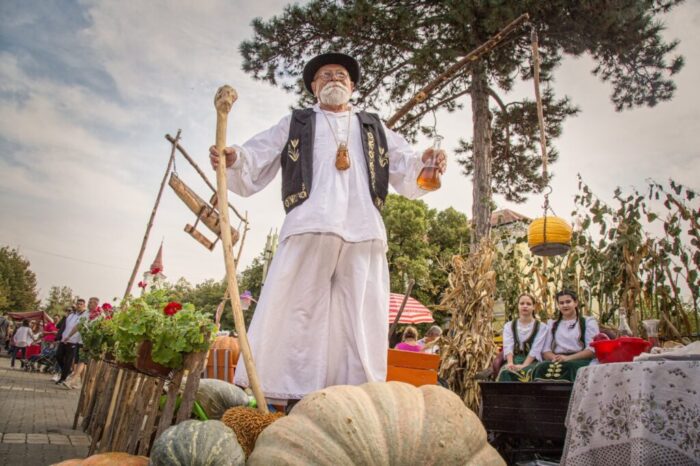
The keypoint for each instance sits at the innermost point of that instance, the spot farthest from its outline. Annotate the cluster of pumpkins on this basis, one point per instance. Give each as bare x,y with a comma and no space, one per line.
379,423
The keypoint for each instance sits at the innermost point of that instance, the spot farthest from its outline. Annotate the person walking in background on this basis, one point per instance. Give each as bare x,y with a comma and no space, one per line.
61,347
74,380
71,338
21,339
4,331
49,333
34,347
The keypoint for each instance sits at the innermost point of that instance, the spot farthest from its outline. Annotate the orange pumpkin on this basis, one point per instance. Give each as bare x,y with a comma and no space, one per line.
115,458
227,343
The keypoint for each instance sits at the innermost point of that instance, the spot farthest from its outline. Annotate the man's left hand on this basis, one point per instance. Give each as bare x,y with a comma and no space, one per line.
441,159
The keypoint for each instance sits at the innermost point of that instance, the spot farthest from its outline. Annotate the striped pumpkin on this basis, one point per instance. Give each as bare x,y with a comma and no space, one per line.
216,396
550,237
378,423
197,443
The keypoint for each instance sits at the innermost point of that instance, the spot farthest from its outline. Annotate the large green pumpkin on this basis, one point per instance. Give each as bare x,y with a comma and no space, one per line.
216,396
379,423
197,443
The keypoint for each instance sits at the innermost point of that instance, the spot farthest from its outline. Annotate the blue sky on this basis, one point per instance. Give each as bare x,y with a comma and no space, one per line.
88,90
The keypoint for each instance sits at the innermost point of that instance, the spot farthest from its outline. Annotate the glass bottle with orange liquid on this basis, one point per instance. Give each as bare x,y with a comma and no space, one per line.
429,177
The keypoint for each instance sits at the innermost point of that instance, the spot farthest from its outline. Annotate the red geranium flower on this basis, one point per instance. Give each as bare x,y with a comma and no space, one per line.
106,307
156,270
172,307
143,284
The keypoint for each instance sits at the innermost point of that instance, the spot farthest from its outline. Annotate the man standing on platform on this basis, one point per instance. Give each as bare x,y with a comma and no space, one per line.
322,318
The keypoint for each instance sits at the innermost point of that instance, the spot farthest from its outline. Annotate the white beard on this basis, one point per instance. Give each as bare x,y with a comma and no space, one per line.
334,94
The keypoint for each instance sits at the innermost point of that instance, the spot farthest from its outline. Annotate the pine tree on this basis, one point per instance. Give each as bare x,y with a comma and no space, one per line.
404,45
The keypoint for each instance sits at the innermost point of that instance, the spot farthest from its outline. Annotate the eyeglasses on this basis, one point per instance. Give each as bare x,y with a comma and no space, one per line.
328,75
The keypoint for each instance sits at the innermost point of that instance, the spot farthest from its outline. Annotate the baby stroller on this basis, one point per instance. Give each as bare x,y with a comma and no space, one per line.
45,361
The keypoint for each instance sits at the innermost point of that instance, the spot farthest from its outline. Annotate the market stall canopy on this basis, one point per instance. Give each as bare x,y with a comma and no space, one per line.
413,313
32,315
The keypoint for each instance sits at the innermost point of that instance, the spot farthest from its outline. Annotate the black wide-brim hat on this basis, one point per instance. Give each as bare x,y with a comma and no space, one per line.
331,58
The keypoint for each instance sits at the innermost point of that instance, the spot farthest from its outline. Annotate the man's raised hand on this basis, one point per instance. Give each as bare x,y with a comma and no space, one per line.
230,153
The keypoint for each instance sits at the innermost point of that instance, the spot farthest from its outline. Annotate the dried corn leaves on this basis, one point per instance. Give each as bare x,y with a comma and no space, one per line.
467,347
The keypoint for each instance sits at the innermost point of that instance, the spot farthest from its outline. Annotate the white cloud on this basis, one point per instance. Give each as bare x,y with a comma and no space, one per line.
82,162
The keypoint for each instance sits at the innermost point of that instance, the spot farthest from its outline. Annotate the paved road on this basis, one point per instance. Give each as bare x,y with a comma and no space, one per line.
36,419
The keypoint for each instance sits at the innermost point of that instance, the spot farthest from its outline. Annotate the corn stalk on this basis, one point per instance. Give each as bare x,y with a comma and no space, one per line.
468,346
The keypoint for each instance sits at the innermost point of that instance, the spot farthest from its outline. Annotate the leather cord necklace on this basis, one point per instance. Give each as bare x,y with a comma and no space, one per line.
342,156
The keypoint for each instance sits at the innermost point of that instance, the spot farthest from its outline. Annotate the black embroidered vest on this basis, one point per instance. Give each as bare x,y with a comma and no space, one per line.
297,158
581,338
527,345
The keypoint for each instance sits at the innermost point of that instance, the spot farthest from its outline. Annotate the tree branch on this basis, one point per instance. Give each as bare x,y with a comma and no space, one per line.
500,103
433,107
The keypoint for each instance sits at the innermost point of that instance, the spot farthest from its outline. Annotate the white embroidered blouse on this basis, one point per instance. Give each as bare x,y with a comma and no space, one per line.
524,333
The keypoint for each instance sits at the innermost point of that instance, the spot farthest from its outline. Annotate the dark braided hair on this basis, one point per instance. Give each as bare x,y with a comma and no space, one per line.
574,296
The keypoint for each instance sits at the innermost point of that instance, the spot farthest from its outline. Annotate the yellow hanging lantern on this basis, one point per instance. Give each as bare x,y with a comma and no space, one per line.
549,236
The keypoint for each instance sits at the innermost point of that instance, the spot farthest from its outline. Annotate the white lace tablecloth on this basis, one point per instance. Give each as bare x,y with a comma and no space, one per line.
637,413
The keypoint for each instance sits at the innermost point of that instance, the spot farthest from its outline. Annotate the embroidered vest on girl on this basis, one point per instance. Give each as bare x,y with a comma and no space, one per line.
527,345
582,328
297,158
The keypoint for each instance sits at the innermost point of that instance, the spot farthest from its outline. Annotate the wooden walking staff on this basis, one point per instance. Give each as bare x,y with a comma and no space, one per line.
223,101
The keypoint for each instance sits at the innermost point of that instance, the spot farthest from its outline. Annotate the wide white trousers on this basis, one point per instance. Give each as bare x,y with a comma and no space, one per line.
322,317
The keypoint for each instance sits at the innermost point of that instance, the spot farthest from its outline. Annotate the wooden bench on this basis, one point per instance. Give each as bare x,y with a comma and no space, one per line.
414,368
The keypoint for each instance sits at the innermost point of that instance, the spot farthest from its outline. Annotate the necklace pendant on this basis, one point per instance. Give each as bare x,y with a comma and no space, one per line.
342,157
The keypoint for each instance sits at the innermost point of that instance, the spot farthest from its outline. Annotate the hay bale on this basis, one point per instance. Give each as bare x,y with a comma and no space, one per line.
248,423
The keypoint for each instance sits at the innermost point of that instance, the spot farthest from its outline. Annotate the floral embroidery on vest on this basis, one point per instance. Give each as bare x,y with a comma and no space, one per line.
293,149
296,197
383,159
370,155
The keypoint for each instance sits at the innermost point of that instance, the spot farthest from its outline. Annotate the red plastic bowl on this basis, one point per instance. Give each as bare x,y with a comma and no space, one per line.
622,349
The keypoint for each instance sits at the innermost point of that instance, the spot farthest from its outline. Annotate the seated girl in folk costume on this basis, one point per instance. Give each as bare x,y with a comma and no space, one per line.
523,339
567,346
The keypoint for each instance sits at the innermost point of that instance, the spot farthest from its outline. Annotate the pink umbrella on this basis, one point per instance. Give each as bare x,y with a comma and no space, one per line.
413,313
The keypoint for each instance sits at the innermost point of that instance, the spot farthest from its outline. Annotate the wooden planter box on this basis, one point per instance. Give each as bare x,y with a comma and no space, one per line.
120,408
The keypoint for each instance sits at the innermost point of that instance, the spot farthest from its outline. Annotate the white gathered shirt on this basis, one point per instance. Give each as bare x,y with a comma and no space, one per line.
569,337
23,337
339,202
524,333
72,321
